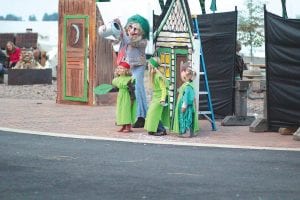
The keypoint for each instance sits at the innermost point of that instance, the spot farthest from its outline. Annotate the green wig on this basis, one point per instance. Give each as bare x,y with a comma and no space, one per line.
143,23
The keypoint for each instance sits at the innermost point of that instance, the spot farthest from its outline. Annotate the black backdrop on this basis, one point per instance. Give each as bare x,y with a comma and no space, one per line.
218,37
282,38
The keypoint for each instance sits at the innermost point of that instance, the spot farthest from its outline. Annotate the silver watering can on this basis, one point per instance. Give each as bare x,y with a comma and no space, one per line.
112,29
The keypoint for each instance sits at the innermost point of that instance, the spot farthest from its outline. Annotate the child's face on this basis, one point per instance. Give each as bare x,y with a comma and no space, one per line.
121,70
162,70
152,69
183,75
186,75
9,47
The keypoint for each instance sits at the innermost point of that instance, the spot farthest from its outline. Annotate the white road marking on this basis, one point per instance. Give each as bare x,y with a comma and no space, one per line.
146,141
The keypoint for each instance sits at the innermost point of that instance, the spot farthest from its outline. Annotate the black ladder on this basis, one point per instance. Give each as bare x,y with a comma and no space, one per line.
208,114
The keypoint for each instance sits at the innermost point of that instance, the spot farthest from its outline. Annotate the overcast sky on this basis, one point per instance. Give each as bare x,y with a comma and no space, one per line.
24,8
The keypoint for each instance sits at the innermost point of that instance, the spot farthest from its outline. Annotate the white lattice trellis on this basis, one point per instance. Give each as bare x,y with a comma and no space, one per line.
177,19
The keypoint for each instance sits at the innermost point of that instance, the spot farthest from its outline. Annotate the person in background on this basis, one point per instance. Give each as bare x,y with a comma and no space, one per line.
40,56
3,62
14,53
186,116
158,113
239,64
126,104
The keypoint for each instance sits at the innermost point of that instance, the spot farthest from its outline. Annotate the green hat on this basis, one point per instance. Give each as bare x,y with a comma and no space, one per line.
153,62
143,23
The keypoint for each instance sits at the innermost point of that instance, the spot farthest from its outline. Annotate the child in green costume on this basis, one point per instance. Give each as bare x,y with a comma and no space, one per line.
157,117
186,116
126,104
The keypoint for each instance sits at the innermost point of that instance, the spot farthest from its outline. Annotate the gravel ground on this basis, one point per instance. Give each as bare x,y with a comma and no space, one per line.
48,92
39,92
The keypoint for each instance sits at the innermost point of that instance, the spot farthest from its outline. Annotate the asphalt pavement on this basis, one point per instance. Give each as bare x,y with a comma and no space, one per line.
44,167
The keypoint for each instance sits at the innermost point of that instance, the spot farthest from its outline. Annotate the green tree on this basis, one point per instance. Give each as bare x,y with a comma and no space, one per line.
51,17
11,17
251,25
32,18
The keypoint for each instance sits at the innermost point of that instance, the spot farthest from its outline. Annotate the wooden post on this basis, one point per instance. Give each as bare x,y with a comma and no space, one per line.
105,64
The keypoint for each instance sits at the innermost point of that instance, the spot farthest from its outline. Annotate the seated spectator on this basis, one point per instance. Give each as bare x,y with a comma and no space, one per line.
3,62
27,61
40,56
13,53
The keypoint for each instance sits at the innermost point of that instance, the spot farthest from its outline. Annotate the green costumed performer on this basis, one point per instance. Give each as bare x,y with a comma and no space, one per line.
133,50
186,116
133,42
158,116
126,104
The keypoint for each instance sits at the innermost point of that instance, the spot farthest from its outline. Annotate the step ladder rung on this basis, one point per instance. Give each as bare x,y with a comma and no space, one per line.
204,112
203,92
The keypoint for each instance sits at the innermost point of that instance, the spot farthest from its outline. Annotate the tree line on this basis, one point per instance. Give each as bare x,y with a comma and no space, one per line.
46,17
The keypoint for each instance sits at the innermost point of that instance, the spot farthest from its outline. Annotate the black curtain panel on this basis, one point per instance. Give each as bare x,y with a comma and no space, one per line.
218,37
282,40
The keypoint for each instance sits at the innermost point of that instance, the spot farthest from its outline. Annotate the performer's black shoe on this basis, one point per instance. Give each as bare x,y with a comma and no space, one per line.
140,122
161,133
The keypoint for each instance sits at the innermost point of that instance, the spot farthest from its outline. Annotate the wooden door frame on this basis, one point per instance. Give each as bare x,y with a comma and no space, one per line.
175,51
86,29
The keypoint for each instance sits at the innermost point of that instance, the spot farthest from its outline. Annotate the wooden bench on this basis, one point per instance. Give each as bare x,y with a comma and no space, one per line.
26,40
22,40
29,76
5,37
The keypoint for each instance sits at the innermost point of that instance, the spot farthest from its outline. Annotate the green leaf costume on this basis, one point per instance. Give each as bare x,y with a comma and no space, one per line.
103,89
156,112
188,120
126,109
